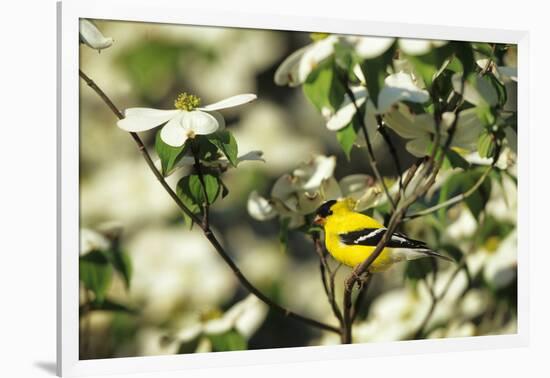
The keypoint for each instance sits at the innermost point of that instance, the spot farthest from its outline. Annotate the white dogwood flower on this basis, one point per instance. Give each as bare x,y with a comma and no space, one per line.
295,69
185,121
245,317
398,87
92,37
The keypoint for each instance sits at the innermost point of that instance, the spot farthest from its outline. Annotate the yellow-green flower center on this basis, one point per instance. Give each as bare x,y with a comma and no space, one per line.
318,36
210,314
491,244
187,102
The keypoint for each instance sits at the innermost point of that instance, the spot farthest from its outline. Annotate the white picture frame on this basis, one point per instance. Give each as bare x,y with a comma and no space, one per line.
68,363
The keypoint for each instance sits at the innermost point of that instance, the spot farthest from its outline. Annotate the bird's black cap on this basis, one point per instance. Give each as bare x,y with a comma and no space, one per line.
324,210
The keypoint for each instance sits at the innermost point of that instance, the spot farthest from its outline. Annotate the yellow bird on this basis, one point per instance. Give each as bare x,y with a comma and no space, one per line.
351,237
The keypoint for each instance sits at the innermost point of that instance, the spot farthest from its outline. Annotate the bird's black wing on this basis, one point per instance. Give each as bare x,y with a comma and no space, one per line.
371,237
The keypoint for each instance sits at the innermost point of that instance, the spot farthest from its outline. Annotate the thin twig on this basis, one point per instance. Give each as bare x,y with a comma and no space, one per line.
451,201
207,231
360,296
393,151
371,157
461,265
437,298
431,173
328,286
142,149
489,63
333,276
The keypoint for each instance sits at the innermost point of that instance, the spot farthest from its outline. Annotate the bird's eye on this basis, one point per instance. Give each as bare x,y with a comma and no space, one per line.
324,210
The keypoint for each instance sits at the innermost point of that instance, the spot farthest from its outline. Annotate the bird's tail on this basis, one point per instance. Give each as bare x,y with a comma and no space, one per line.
430,252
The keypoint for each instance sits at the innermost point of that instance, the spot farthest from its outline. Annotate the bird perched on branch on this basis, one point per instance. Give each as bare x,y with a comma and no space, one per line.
351,237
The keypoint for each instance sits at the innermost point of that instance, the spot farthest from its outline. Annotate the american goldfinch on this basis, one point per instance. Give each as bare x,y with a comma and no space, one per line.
351,237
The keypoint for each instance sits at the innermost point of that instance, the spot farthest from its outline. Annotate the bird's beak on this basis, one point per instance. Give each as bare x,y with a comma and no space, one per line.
318,220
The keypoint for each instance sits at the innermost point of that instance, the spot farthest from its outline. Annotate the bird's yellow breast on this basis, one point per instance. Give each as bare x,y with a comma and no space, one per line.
353,255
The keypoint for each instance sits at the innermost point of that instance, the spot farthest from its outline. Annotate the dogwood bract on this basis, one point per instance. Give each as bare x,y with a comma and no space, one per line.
185,121
91,36
300,193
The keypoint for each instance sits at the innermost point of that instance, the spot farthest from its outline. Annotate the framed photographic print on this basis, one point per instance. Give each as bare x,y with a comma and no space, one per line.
240,189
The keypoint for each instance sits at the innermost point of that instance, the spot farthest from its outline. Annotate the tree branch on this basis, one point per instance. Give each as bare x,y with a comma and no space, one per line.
370,152
198,168
431,173
206,230
393,151
328,286
437,298
360,296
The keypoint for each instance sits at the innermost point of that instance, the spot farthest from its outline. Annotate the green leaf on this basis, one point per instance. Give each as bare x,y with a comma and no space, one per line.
486,145
464,181
456,160
419,269
230,340
226,143
324,88
153,64
213,187
484,49
477,201
375,72
122,264
431,64
283,233
225,189
168,155
345,58
486,90
95,272
348,135
499,88
465,54
111,306
189,346
485,115
452,250
189,189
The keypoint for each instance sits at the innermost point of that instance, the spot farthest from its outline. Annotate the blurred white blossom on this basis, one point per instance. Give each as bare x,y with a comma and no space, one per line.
270,129
245,317
295,69
411,46
91,240
398,314
125,190
92,37
501,265
371,47
173,269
